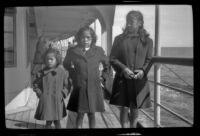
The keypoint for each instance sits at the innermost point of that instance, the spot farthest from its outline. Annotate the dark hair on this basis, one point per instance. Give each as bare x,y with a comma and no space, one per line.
142,32
80,33
56,53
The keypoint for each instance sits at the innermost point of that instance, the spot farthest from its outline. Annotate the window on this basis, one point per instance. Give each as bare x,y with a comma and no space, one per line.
9,38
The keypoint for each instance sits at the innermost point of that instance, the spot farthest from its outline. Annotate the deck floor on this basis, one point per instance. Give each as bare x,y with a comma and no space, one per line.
24,118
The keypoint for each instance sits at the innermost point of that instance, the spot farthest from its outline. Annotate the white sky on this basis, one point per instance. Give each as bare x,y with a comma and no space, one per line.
176,23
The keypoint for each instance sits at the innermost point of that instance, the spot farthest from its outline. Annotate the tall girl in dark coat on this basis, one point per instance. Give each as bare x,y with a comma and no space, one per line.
49,87
82,62
130,56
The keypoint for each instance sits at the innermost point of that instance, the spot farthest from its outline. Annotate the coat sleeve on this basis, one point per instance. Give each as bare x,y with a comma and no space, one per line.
115,55
37,84
66,90
67,63
148,58
104,60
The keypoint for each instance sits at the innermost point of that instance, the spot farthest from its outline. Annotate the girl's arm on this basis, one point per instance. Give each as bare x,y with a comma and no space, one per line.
148,56
37,84
67,63
115,55
107,74
67,84
104,60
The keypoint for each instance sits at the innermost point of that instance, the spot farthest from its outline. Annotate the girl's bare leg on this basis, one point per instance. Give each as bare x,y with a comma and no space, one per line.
92,121
123,116
79,120
48,124
133,117
57,123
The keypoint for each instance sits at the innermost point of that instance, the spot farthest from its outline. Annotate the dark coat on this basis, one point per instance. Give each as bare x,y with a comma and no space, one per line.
87,95
49,86
134,55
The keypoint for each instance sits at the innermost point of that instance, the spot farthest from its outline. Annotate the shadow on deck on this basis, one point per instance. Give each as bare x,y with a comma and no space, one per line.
23,117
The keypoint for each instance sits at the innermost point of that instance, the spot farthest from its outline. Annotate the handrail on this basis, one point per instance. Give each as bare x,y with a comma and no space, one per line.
170,60
150,117
175,61
176,75
174,113
173,88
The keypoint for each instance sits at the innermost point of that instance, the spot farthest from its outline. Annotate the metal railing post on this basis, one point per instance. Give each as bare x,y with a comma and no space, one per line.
157,71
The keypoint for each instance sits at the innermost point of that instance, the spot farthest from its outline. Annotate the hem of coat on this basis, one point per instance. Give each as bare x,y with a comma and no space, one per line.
125,105
82,111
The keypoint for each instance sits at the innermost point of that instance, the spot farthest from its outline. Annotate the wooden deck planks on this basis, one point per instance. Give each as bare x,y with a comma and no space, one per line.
110,117
85,122
40,124
100,122
25,118
32,121
63,122
10,120
18,120
107,119
103,120
71,122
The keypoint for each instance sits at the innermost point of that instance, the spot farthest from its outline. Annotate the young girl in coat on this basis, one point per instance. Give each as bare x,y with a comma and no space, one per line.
130,56
82,62
49,87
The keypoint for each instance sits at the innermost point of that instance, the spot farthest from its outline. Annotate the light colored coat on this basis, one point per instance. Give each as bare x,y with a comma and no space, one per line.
51,85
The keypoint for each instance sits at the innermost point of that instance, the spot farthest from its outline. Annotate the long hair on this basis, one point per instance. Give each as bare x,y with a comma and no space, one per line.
56,54
80,33
142,32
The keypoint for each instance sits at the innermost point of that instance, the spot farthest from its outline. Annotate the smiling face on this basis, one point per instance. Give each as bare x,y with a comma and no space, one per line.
86,39
51,60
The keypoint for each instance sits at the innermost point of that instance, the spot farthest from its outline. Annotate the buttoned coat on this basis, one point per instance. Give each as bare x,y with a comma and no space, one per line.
50,89
87,95
125,90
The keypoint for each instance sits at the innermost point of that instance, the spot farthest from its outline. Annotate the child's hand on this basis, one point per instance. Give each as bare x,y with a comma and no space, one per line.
138,74
38,92
64,95
128,73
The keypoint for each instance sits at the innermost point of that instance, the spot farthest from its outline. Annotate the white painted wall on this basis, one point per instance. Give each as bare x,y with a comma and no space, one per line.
16,78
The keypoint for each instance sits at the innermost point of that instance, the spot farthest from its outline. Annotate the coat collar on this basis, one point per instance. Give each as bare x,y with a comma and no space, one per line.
89,53
130,35
53,70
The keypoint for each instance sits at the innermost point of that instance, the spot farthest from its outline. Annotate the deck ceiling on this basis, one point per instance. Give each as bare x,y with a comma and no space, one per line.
60,22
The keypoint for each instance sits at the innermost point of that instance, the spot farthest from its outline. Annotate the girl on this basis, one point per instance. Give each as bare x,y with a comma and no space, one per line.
82,62
41,47
49,86
130,56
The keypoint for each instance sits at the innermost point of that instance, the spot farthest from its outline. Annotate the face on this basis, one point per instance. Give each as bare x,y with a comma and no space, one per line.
133,23
86,39
51,60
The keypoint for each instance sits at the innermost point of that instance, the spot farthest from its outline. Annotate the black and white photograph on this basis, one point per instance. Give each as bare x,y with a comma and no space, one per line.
90,67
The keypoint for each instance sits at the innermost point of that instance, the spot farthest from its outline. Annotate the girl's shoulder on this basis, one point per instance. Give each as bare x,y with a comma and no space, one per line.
60,68
71,49
149,41
118,37
62,71
98,48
